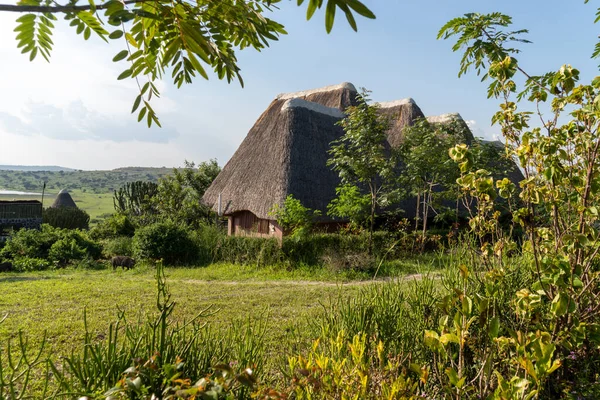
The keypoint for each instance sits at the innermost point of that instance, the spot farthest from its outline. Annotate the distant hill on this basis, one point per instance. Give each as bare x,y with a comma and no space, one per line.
34,168
87,181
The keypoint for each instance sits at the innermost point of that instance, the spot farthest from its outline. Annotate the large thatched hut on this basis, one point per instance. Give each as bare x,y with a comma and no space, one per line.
64,199
286,152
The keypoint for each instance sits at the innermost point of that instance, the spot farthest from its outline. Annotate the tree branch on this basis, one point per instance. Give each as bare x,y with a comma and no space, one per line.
60,9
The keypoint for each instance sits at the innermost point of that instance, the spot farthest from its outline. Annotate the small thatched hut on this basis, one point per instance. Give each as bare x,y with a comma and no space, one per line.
63,199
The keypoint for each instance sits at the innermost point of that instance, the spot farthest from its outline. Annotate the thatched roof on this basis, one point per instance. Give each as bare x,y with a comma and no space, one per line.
284,153
453,118
402,113
337,96
63,199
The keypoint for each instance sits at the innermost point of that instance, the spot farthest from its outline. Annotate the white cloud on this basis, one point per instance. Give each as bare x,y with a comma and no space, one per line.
37,150
76,122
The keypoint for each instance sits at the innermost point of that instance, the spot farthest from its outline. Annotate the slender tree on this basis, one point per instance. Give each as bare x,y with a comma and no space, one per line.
363,160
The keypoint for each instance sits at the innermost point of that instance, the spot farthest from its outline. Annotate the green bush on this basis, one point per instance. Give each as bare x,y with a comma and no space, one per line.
118,246
248,250
166,241
53,244
65,250
66,217
114,226
26,264
30,243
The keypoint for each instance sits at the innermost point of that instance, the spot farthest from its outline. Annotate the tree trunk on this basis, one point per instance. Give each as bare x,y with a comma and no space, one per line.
426,200
417,211
373,205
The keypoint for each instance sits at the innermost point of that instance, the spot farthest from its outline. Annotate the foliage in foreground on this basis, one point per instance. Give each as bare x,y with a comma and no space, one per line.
143,359
188,38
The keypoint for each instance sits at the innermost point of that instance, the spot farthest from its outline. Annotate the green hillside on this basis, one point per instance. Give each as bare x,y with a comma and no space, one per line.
85,181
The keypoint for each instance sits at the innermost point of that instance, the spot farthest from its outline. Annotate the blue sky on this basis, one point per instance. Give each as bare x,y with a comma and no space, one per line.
73,112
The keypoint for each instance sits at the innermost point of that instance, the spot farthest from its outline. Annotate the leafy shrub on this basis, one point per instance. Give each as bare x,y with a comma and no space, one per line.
340,367
113,226
26,264
58,245
293,217
30,243
248,250
118,246
166,241
66,217
65,250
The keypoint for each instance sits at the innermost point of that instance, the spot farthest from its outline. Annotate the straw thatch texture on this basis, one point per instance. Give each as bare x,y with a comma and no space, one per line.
63,199
284,153
401,113
453,118
337,96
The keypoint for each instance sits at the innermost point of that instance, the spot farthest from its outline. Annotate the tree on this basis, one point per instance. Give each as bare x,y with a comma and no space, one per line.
363,160
179,196
178,37
428,172
557,314
135,198
294,217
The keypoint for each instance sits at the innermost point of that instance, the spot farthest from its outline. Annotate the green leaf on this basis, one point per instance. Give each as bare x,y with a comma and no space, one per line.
361,9
329,15
449,338
116,34
197,66
125,74
33,54
141,114
560,304
312,7
136,103
26,18
494,328
121,55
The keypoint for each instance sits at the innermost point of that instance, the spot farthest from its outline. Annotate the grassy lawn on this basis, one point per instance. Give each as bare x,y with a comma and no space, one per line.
54,302
286,302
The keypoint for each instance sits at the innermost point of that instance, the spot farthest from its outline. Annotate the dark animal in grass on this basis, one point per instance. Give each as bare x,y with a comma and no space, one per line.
122,261
6,266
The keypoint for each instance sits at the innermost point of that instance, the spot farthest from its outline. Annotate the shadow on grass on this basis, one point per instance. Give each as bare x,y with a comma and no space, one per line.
23,278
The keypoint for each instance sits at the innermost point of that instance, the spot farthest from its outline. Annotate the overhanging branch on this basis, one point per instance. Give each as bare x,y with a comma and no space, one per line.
59,9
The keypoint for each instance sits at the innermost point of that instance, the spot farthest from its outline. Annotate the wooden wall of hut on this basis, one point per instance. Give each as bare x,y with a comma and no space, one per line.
245,223
20,209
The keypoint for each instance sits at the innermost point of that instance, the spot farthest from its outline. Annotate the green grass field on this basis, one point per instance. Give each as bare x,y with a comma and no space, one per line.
53,303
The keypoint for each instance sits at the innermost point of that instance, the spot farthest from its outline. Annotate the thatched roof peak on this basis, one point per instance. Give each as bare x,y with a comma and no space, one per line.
396,103
304,93
444,118
63,199
316,107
